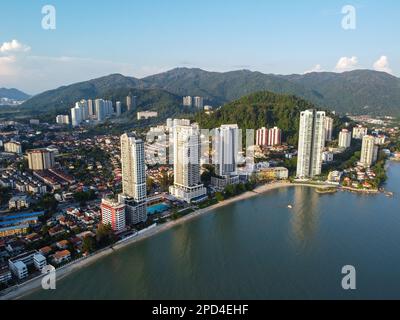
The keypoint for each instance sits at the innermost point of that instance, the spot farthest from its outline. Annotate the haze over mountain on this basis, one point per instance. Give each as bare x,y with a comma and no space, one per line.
13,94
355,92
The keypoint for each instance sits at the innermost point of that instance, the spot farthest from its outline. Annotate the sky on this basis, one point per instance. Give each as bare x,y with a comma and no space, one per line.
94,38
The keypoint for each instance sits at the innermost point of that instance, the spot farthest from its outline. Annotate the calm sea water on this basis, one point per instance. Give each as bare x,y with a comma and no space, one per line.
259,249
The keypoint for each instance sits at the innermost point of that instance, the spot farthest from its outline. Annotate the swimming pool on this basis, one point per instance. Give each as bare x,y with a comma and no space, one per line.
158,208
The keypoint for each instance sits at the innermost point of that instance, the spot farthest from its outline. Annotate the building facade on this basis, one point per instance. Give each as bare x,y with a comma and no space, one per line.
369,151
113,214
311,144
328,129
134,191
40,159
344,139
187,145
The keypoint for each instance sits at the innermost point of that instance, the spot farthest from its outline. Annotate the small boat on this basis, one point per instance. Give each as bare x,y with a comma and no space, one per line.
290,206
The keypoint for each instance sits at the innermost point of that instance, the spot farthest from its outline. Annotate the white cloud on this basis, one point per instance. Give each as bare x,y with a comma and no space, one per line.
14,46
6,66
382,64
346,64
316,68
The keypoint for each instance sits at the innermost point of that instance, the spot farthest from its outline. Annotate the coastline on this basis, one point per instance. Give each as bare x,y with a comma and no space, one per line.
32,285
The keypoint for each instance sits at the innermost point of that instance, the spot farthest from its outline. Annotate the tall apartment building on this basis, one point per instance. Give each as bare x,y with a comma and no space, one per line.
187,101
226,149
198,102
369,151
311,143
62,119
328,128
103,109
113,214
187,145
344,139
92,111
118,108
133,178
359,132
269,137
13,147
131,102
76,116
40,159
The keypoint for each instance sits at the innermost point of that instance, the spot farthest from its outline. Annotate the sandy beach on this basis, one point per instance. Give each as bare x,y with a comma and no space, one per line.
25,288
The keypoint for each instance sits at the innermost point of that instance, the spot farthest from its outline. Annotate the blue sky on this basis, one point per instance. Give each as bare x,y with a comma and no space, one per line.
139,38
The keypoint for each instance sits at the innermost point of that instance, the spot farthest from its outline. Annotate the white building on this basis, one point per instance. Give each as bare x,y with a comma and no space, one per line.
62,119
226,150
327,156
311,144
187,101
186,144
133,178
147,115
118,108
198,102
344,139
359,132
369,151
19,264
328,128
40,159
76,116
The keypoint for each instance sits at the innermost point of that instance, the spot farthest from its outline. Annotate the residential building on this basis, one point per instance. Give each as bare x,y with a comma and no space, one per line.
344,139
147,115
327,156
5,274
62,256
269,137
18,202
199,103
133,178
328,129
369,151
40,159
118,108
62,119
186,144
359,132
13,147
311,144
76,116
187,101
113,214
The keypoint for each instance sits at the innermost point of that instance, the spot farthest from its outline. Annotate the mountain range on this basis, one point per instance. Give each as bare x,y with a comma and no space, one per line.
13,94
355,92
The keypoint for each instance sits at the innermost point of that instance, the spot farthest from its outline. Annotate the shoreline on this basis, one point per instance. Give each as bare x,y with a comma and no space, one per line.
32,285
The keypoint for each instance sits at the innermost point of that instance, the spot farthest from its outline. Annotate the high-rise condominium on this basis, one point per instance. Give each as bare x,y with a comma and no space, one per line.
328,128
311,143
76,116
199,103
40,159
113,214
118,108
344,139
62,119
131,102
369,151
359,132
133,178
187,145
226,148
187,101
269,137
